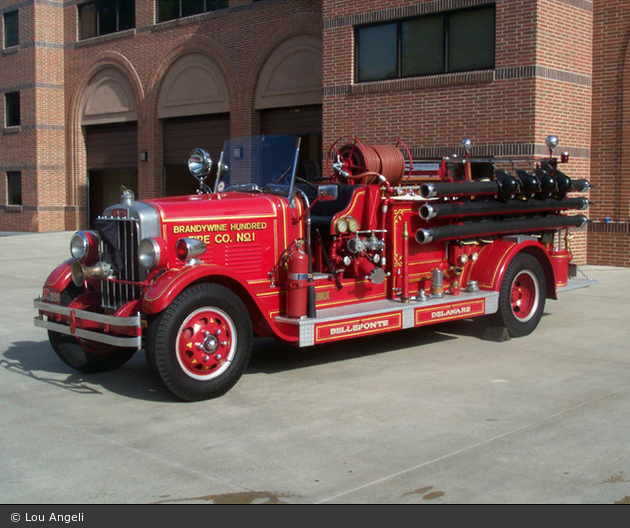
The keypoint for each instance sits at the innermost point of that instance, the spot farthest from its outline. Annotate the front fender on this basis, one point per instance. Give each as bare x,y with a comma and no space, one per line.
59,278
170,284
490,267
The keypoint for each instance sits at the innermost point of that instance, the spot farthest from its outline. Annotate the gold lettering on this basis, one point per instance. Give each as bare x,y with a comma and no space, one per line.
247,226
245,237
222,239
199,228
204,238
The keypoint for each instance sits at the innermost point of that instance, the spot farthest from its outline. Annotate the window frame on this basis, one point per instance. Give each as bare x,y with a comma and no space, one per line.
12,118
445,43
12,177
205,9
6,16
97,25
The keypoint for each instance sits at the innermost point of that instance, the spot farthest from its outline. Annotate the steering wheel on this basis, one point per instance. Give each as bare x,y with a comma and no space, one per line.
283,175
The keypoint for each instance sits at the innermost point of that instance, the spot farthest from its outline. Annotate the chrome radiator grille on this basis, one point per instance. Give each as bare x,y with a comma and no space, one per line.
119,247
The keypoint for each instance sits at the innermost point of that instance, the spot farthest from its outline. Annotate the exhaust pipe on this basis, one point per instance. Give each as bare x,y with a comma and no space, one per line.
497,227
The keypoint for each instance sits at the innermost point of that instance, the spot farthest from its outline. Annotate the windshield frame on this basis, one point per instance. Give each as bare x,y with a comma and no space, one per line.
241,154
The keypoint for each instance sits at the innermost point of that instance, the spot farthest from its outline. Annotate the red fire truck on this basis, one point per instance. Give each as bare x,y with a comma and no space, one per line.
380,245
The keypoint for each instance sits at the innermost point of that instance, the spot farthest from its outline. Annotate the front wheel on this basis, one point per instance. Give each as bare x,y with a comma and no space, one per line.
84,355
522,296
88,356
201,344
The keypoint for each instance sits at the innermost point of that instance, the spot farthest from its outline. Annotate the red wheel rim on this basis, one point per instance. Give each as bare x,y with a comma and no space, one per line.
524,296
206,343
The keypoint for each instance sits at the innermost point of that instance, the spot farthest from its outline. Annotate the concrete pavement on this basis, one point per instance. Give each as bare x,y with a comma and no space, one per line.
429,416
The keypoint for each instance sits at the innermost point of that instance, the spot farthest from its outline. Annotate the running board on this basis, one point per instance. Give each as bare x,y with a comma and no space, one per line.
576,284
362,319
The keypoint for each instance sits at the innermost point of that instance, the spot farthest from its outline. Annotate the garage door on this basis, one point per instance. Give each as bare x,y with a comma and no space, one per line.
181,136
112,162
112,146
303,121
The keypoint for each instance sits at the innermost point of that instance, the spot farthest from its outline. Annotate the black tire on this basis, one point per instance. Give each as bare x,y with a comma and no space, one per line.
87,356
83,355
522,296
201,344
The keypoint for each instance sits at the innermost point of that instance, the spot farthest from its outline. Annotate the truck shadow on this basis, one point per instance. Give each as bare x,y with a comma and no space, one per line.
36,360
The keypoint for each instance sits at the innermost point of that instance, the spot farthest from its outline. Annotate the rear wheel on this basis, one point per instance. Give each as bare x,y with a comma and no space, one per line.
522,296
201,344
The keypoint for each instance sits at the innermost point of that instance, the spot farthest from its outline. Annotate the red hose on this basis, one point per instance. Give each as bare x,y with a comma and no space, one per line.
367,162
392,163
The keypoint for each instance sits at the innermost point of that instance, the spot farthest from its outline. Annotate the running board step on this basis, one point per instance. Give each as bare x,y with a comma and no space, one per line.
361,319
576,284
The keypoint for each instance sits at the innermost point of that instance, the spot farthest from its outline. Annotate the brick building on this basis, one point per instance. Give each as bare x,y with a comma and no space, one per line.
98,94
117,92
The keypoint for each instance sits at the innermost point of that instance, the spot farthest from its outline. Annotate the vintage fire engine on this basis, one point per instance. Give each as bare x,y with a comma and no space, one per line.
260,251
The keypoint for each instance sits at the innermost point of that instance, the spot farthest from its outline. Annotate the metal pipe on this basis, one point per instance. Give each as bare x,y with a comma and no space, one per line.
465,188
405,264
505,186
494,227
491,207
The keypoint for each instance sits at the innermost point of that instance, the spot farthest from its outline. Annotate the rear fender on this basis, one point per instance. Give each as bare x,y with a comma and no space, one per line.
489,269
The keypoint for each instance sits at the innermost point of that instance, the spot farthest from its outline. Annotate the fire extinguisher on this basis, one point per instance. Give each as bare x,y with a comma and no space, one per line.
297,282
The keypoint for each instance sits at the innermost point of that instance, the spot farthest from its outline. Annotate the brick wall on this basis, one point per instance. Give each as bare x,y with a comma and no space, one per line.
609,241
35,148
52,67
547,79
541,85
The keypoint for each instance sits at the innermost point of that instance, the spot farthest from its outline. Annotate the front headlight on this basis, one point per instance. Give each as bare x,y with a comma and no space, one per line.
84,246
151,253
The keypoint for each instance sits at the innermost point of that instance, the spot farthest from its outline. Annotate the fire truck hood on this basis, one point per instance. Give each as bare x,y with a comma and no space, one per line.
222,206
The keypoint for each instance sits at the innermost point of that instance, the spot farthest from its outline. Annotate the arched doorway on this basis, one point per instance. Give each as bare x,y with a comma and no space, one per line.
289,97
194,106
109,119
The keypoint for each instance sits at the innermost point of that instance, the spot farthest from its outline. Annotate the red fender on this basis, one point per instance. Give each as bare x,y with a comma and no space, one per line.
488,270
60,277
169,285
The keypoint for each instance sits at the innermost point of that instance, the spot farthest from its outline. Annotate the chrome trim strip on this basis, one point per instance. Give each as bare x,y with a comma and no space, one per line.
134,342
133,321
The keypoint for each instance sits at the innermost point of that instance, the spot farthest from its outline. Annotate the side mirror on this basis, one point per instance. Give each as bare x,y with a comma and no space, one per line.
327,193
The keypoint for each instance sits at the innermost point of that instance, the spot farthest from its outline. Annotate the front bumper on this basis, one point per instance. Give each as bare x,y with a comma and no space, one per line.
102,328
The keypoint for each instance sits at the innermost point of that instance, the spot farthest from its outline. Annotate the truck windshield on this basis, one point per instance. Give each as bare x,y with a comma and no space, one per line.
259,163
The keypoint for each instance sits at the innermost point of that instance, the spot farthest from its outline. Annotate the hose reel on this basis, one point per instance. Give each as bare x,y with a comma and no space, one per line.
358,163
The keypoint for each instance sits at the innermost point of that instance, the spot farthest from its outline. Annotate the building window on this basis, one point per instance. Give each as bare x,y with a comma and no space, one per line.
442,43
11,29
171,9
14,188
102,17
12,109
